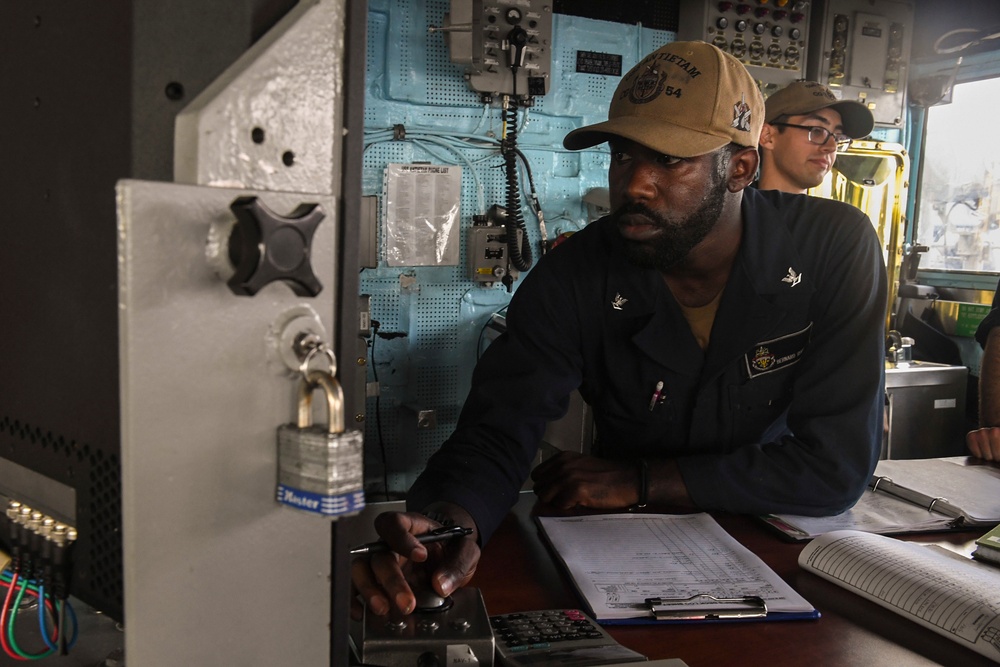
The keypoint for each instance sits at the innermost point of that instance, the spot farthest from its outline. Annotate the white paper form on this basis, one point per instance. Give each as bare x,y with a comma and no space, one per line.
617,561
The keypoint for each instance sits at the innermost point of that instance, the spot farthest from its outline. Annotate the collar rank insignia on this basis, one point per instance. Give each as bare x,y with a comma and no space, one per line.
618,301
792,278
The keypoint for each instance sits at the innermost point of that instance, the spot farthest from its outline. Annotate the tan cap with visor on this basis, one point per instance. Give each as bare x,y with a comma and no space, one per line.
802,97
684,99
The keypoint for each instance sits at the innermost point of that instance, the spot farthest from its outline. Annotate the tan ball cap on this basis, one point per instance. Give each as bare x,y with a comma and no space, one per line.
802,97
684,99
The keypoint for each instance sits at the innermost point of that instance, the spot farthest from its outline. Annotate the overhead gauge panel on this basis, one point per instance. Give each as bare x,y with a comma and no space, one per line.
769,38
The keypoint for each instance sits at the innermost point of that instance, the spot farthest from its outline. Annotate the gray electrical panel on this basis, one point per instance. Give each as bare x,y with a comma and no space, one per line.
491,38
769,39
487,254
205,383
861,50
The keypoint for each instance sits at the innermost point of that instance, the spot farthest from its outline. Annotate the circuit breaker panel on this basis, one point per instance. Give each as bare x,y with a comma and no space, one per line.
506,46
861,50
769,38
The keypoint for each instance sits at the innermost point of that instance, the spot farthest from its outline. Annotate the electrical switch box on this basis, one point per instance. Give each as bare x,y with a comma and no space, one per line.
505,46
487,254
861,50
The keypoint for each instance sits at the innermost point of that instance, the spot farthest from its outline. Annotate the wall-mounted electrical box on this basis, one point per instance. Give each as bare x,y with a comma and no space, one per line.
487,252
861,50
488,255
495,40
769,38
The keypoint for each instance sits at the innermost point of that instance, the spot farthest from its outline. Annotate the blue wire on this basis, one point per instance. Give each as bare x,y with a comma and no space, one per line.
41,619
7,575
76,626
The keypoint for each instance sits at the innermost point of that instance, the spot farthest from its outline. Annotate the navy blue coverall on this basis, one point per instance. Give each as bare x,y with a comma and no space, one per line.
781,413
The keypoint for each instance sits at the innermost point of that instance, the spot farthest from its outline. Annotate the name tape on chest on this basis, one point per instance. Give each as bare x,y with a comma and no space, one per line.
772,355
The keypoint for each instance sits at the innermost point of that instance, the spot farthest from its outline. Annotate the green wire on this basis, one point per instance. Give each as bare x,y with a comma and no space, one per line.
10,630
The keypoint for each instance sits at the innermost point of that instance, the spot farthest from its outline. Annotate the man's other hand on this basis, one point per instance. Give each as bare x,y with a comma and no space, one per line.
570,479
984,443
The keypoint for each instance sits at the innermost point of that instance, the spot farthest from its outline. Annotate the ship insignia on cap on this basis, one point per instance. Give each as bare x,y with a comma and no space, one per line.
741,115
647,86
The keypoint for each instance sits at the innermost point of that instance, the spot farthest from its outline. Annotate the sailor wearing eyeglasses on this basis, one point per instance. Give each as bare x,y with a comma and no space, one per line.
805,125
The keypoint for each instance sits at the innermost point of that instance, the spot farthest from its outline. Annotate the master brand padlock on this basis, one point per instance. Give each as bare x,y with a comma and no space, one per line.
321,469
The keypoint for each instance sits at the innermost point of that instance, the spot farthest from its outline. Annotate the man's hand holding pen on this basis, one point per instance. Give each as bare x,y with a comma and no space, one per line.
415,551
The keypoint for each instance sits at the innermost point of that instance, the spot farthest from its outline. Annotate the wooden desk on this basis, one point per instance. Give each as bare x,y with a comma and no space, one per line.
517,573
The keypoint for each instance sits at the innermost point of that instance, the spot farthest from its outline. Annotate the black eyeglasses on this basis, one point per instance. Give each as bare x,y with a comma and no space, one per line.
820,135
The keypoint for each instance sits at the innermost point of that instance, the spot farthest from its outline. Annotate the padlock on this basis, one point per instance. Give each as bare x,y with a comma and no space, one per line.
321,469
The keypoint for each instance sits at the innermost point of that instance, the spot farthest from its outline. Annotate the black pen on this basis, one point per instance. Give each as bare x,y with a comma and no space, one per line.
436,535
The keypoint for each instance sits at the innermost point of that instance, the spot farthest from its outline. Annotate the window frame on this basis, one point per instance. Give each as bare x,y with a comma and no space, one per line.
975,67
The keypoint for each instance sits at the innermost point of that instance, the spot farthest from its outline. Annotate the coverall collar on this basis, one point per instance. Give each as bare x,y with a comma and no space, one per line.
767,277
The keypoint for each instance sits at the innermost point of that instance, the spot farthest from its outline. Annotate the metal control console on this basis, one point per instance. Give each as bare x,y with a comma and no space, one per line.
458,632
768,38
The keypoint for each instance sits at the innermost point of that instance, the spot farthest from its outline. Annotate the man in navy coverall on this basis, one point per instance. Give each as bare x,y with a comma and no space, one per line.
730,341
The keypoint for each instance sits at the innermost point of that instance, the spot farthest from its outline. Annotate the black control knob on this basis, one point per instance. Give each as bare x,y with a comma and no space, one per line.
265,247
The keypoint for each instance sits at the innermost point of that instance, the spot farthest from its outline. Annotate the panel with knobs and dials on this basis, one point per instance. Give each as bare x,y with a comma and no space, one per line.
767,36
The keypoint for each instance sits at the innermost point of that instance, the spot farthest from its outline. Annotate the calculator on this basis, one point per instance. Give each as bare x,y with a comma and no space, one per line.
556,638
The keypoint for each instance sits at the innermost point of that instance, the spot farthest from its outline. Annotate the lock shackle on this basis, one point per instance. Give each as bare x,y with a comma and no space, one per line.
312,381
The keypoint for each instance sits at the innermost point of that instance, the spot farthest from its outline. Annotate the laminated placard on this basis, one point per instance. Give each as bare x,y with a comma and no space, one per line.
422,203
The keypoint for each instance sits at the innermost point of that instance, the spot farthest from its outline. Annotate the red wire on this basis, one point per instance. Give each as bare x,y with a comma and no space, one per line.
3,619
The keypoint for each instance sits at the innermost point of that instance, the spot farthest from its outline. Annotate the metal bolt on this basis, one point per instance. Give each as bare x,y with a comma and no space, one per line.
428,625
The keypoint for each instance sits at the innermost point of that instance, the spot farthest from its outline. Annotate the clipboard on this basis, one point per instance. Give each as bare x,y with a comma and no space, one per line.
689,552
704,607
750,608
